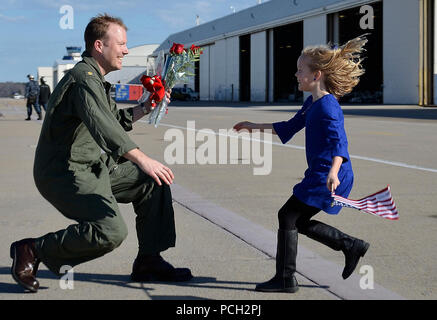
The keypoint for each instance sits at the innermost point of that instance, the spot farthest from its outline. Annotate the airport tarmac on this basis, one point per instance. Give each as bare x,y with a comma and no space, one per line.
226,215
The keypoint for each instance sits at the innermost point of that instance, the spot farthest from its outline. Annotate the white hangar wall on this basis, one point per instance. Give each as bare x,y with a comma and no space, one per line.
401,51
314,33
258,66
219,70
219,77
219,63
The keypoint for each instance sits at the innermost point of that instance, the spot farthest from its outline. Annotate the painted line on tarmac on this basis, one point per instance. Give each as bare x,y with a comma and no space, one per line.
292,146
310,265
13,112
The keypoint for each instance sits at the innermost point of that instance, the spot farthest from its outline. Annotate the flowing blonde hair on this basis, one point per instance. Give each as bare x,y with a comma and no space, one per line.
341,66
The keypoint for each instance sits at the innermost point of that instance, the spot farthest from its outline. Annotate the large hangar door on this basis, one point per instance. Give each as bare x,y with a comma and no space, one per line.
288,45
353,23
197,76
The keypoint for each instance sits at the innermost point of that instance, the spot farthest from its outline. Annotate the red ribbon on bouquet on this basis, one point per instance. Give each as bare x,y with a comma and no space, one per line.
380,204
155,86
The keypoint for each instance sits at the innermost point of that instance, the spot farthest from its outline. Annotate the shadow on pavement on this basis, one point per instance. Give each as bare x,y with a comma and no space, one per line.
124,281
211,283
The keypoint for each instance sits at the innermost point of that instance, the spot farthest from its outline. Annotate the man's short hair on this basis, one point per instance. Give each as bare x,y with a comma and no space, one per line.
97,28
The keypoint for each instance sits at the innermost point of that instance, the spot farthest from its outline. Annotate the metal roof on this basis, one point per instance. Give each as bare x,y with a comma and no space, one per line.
260,17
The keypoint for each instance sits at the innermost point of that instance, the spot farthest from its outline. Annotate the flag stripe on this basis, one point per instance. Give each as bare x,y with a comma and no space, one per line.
377,206
380,203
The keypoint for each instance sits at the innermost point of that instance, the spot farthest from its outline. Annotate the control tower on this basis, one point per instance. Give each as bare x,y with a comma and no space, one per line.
73,53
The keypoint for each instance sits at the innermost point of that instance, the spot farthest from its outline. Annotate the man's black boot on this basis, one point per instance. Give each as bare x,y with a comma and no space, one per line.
352,248
155,268
286,252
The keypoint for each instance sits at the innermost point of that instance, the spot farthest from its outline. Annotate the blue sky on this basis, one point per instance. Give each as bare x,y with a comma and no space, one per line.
31,35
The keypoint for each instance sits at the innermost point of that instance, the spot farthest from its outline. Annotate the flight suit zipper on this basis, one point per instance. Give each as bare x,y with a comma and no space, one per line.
113,168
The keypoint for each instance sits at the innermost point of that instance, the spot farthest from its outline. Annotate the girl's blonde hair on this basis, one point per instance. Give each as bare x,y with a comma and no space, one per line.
341,66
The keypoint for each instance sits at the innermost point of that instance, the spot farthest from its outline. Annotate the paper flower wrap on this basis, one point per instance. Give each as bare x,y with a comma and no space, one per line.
171,68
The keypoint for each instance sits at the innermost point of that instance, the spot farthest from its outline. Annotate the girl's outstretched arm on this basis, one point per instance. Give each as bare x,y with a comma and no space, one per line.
250,126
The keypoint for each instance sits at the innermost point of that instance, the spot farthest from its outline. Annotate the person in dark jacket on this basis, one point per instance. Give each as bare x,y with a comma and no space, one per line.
44,94
32,95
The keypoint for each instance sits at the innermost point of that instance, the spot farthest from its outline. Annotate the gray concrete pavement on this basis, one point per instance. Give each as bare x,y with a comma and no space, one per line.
393,145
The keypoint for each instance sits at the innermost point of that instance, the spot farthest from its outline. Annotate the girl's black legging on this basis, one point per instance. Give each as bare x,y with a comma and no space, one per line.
295,214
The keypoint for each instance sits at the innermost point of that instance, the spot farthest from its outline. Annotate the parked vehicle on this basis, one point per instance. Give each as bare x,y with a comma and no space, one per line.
186,94
17,95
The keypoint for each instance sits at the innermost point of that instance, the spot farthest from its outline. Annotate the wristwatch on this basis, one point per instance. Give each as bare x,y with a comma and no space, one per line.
144,108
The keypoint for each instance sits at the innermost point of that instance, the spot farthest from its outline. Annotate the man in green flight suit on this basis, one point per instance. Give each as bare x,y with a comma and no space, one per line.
85,163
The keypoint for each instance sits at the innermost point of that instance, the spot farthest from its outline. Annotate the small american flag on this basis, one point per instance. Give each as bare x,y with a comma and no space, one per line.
379,204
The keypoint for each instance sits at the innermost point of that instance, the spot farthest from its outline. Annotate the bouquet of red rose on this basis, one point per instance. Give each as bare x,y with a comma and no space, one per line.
171,69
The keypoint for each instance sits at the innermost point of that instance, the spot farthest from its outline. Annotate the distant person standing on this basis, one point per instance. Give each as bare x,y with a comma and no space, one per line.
44,94
32,95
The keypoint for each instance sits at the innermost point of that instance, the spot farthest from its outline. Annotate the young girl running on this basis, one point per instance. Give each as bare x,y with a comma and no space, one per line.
328,73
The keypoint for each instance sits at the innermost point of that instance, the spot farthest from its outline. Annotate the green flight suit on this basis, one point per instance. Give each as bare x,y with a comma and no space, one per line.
80,170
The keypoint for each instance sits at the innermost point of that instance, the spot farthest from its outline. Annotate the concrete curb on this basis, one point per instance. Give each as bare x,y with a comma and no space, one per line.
310,265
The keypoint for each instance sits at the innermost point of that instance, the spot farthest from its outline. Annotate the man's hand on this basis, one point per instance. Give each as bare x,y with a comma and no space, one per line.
156,170
168,96
151,167
146,107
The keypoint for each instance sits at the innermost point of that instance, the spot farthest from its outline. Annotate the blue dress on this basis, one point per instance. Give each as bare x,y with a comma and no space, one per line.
325,138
